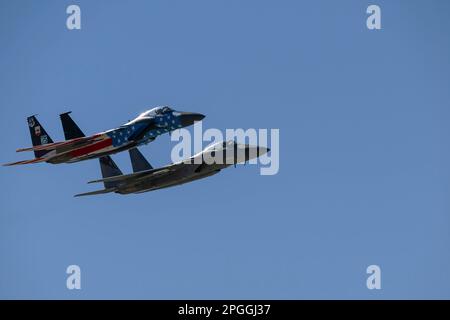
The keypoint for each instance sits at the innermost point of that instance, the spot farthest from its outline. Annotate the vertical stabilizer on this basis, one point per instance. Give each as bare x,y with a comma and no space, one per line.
38,136
71,129
138,161
109,169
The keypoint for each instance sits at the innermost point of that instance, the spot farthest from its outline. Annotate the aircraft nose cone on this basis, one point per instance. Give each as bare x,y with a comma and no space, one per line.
252,152
188,118
262,150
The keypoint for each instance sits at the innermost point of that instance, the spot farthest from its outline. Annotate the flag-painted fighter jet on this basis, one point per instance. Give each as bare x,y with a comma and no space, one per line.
77,147
145,178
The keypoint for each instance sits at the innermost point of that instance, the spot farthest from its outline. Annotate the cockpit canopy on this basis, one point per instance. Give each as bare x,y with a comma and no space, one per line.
151,113
220,145
155,111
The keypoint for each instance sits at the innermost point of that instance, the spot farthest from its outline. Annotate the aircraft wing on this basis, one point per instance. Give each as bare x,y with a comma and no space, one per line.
138,175
67,145
95,192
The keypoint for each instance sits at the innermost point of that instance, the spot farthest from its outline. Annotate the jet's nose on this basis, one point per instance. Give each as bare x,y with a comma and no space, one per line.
258,151
262,150
188,118
252,152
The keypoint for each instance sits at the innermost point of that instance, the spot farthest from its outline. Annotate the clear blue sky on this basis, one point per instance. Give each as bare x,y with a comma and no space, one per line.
364,162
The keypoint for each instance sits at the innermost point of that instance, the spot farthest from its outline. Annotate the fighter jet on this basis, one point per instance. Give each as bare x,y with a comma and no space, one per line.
77,147
145,178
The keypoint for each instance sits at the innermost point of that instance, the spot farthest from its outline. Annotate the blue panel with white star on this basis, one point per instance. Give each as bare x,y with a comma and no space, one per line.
167,122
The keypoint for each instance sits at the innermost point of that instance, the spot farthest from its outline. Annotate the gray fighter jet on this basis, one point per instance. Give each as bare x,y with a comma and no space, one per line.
145,178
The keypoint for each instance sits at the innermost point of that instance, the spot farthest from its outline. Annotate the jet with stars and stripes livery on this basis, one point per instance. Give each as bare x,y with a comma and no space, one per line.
77,147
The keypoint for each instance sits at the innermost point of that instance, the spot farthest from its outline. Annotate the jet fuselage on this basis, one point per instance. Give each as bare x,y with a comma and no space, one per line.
198,167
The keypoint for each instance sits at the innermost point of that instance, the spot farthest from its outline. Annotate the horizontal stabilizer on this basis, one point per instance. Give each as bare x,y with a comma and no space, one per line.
66,145
96,192
50,146
35,160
